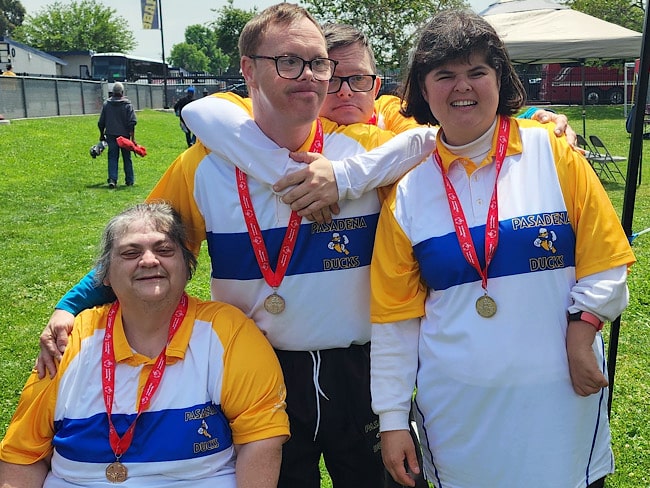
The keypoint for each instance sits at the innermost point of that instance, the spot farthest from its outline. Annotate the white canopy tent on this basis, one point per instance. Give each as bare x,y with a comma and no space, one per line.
542,31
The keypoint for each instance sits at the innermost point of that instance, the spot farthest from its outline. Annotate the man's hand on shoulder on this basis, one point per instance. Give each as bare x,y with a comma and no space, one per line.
53,342
314,194
562,127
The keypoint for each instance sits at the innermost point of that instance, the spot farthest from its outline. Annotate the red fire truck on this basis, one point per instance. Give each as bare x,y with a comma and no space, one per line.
562,84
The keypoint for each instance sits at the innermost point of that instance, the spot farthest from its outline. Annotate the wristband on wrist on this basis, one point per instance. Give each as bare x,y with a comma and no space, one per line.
590,318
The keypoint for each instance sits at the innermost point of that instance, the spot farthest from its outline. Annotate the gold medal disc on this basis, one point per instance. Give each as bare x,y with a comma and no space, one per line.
486,306
274,304
116,472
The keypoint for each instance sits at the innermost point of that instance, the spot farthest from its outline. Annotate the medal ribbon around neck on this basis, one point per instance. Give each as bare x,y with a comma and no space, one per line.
273,278
119,445
492,225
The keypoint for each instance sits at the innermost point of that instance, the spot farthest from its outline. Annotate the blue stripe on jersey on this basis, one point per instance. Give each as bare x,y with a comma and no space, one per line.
522,248
166,435
345,242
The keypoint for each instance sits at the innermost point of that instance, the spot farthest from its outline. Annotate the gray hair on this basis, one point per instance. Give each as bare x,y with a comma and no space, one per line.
161,216
118,88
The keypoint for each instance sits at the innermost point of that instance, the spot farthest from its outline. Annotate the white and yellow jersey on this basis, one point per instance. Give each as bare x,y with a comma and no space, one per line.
326,288
222,385
387,109
501,382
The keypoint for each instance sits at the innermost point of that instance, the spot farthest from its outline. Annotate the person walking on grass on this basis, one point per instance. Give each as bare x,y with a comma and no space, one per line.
118,119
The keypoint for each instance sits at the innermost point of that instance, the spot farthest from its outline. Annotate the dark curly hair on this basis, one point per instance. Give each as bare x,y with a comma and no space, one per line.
453,35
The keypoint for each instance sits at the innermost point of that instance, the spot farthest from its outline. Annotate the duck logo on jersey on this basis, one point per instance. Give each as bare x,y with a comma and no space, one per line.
343,260
545,240
338,243
203,430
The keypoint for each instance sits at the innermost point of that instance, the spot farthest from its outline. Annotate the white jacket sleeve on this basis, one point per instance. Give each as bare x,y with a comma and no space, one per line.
385,164
228,130
393,368
603,294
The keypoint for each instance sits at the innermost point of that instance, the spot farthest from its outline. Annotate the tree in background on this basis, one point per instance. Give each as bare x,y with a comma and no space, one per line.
216,42
189,57
86,25
12,14
626,13
227,27
391,25
199,52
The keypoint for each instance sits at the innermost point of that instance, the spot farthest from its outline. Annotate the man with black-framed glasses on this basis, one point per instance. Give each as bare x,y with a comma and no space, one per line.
353,90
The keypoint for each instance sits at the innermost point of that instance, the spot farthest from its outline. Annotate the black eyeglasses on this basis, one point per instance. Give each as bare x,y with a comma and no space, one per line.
291,67
357,83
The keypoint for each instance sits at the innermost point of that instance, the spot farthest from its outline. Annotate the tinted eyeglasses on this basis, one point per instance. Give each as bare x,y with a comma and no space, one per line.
291,67
357,83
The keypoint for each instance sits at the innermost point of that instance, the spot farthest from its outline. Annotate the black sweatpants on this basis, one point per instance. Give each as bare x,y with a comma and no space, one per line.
341,418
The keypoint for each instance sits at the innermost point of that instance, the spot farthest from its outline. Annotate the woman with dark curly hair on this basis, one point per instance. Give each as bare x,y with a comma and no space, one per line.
496,261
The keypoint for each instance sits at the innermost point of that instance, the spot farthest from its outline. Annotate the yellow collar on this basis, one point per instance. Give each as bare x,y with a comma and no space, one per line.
514,147
175,350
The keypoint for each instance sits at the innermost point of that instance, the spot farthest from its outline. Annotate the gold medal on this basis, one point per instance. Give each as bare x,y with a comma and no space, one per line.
116,472
274,304
486,306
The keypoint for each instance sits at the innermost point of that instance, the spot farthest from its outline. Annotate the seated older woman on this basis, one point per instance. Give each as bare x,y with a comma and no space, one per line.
155,389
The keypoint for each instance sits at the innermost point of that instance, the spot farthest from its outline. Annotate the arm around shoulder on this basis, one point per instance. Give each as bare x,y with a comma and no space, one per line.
54,338
227,129
385,164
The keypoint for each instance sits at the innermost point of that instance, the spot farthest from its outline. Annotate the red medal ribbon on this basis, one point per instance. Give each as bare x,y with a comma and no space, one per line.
273,278
119,445
492,225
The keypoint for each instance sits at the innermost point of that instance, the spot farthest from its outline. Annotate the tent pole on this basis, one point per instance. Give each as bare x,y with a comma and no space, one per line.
634,161
584,99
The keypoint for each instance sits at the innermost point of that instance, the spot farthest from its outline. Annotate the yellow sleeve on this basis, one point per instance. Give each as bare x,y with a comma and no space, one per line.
176,187
29,436
245,103
601,243
388,111
253,391
397,292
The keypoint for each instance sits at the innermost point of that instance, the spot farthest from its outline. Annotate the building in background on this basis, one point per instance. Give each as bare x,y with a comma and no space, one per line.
29,61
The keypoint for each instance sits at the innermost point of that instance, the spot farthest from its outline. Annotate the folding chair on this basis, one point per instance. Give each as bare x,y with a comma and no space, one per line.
582,142
607,162
596,161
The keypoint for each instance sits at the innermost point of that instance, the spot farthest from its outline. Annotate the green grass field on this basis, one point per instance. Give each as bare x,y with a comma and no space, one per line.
54,203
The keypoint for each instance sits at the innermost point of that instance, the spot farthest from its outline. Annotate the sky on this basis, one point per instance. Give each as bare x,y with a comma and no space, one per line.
176,16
